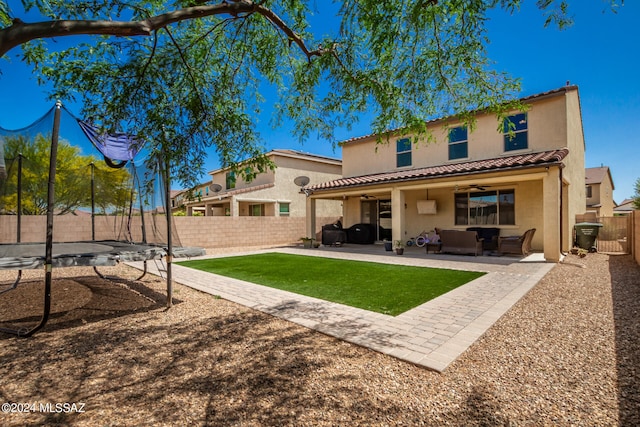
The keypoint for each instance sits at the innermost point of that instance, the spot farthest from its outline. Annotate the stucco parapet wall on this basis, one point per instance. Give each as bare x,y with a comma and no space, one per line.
544,158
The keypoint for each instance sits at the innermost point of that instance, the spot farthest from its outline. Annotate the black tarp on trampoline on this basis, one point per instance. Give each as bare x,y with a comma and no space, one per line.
24,256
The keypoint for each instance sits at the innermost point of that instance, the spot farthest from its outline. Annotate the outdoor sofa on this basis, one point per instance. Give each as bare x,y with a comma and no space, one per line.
460,242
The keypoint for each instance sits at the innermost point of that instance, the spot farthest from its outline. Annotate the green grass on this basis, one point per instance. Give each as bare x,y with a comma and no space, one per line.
383,288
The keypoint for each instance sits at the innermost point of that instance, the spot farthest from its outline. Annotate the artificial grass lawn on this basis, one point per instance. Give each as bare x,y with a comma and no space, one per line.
383,288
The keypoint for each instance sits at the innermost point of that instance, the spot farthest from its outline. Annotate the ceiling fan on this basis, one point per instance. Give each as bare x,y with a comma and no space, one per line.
473,187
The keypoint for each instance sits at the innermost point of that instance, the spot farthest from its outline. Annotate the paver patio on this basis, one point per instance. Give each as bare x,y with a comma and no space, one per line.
432,335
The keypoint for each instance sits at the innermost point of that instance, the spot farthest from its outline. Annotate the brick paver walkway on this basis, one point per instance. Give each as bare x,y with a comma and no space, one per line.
431,335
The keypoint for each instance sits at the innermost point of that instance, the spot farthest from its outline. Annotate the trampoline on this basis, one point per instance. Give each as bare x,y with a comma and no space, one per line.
25,256
149,196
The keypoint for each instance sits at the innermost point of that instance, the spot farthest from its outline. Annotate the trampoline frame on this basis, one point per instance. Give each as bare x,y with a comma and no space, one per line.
109,258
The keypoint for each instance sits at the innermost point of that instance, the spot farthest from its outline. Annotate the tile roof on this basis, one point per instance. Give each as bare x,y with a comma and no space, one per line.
625,206
488,165
596,175
228,193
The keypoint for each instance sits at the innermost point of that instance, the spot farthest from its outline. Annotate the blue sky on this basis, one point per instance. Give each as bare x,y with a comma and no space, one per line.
599,53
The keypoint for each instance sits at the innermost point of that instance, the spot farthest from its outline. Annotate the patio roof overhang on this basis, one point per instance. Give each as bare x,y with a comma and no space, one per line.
503,169
225,196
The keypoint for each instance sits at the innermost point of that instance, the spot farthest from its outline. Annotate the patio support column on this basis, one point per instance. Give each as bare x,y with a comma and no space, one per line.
398,213
551,214
234,207
310,223
189,210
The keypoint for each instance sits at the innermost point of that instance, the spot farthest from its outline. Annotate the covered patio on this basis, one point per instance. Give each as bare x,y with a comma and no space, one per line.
511,193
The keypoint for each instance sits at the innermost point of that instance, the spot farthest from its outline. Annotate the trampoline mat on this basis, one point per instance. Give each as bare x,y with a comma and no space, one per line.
24,256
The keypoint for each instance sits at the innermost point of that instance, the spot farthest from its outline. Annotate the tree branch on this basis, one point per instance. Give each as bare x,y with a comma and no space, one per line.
20,32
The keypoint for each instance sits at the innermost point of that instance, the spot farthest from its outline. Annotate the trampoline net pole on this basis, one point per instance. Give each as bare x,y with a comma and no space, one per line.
93,201
19,200
167,210
48,257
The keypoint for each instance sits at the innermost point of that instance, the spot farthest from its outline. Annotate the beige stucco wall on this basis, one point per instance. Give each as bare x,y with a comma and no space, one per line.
445,217
220,178
573,175
601,194
554,122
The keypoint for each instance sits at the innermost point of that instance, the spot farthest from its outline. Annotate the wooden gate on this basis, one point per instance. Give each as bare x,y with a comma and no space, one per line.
613,237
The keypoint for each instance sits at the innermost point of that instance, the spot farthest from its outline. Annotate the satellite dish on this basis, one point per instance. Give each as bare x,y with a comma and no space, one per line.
215,187
301,181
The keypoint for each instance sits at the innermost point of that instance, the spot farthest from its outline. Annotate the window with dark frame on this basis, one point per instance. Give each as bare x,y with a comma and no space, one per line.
284,209
230,180
589,191
485,208
516,132
256,210
403,152
458,143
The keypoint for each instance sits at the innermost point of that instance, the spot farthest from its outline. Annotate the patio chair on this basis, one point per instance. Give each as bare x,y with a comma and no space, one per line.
518,245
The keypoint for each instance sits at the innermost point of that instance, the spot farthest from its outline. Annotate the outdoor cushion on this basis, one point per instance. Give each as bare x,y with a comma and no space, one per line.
490,236
460,242
519,245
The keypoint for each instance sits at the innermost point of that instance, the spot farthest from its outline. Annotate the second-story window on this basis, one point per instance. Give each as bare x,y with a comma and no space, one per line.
458,143
403,152
515,132
231,180
589,191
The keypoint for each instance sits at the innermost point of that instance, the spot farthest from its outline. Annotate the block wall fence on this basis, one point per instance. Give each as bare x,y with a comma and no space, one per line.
635,235
207,232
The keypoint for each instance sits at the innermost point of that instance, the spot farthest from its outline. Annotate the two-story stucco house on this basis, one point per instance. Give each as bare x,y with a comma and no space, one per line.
532,177
272,193
599,191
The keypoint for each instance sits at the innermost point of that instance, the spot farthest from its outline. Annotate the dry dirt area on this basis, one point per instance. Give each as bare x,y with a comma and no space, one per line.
568,354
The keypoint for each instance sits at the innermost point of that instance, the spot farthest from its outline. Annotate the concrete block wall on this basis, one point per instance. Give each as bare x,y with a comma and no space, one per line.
206,232
635,238
66,228
228,232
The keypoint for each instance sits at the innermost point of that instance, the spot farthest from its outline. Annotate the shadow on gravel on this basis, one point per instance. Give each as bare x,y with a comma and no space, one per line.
625,290
75,301
230,370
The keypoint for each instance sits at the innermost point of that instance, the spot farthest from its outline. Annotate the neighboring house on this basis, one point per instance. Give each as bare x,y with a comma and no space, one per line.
599,191
532,177
272,193
624,208
178,198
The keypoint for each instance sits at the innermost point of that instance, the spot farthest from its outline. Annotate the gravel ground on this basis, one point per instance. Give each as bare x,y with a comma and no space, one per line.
568,354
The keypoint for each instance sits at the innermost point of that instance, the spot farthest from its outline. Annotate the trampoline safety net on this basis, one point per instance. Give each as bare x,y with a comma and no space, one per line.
109,176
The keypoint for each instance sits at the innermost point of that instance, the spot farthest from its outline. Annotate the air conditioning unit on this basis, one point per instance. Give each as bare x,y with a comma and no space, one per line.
427,207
